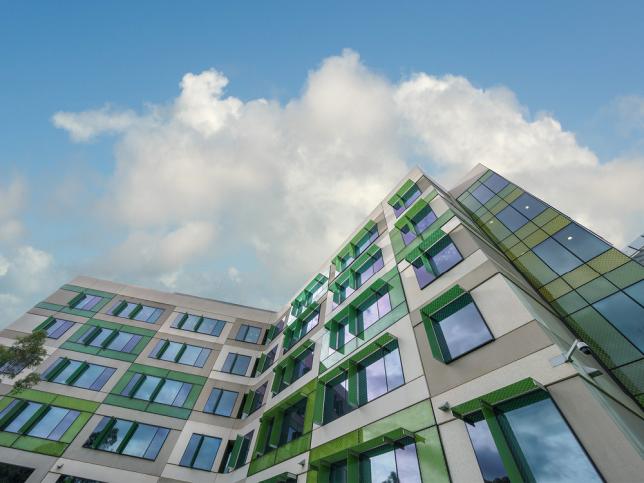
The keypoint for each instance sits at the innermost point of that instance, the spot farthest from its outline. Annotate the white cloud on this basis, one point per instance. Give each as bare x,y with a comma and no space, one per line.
234,274
4,266
84,126
285,183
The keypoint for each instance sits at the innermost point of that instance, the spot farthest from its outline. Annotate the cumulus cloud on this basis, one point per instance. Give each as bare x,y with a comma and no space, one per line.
284,183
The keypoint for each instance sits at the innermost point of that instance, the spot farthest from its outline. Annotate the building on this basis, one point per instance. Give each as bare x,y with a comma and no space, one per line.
635,249
469,335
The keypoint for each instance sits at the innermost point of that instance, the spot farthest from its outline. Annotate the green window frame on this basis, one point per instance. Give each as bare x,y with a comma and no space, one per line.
301,326
350,280
350,369
102,438
237,453
108,339
284,371
441,309
309,295
490,408
253,400
404,197
265,361
55,327
156,390
363,240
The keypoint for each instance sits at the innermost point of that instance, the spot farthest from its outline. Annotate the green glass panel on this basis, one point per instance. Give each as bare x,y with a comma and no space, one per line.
526,230
413,418
569,303
535,238
555,289
580,275
513,195
431,459
556,224
596,290
534,269
545,216
632,376
627,274
609,260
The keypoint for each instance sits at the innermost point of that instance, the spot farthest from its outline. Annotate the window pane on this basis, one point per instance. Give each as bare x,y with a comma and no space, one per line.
338,472
211,403
24,415
241,365
129,308
378,466
482,193
394,370
446,258
226,403
146,389
58,328
384,305
636,291
48,422
581,242
156,444
368,315
102,378
372,380
407,464
253,334
115,436
408,235
422,275
212,327
100,338
190,355
65,374
463,331
422,223
495,182
511,218
626,315
88,376
191,449
557,257
171,351
63,425
528,205
207,453
486,453
119,341
168,392
145,313
548,447
228,363
293,425
131,344
140,440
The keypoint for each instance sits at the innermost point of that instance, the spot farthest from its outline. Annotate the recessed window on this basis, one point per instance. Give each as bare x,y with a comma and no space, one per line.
221,402
372,311
128,438
111,339
369,268
541,442
200,452
14,473
201,325
293,422
38,420
459,328
258,398
248,333
86,301
406,200
397,463
419,223
436,261
78,374
157,389
236,364
12,368
336,398
136,311
57,327
187,354
301,365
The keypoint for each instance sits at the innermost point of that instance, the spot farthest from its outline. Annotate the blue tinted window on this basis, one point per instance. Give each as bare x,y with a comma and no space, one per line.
462,331
57,327
487,454
626,315
544,442
423,220
200,452
495,182
236,364
221,402
483,194
636,291
529,206
445,259
511,218
556,257
424,276
580,242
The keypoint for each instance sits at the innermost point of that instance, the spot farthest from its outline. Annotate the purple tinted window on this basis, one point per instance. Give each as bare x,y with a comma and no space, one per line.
407,464
408,235
58,328
511,218
423,276
398,209
369,315
528,205
495,182
483,194
134,340
446,258
384,305
423,223
102,379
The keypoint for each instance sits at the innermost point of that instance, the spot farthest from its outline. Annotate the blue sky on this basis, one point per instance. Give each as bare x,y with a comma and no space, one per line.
575,64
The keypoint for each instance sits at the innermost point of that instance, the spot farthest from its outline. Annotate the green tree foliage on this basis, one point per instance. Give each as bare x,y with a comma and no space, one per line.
26,352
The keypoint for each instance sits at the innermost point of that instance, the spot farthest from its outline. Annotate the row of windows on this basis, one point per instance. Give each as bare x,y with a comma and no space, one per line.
186,354
136,311
86,301
358,278
157,389
127,437
36,419
419,223
359,248
78,374
201,325
112,339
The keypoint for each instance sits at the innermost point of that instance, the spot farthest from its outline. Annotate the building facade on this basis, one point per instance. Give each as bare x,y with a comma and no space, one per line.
476,334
